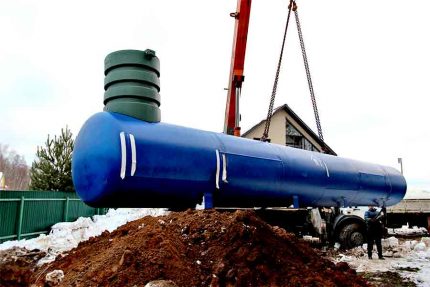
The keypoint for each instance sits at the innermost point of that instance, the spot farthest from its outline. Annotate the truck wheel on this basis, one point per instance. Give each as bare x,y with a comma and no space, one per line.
351,235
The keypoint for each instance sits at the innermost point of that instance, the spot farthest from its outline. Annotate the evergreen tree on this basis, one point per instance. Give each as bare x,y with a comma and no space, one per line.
52,168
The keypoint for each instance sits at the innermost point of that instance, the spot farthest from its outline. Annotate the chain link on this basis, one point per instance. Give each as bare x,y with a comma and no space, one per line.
293,7
308,75
275,84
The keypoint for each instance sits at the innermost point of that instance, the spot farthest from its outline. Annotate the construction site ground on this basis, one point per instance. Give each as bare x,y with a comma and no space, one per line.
191,248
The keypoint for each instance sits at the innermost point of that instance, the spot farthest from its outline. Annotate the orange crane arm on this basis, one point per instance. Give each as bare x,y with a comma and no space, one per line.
232,115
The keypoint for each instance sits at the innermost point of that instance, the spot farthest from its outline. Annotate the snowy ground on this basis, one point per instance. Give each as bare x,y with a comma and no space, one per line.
409,258
66,235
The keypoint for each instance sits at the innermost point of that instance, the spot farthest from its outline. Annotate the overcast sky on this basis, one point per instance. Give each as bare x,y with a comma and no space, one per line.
369,63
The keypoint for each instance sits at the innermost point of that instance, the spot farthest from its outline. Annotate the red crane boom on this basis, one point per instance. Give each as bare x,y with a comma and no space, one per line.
232,115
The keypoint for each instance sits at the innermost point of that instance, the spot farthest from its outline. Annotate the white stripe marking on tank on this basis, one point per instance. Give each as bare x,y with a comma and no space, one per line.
326,168
217,169
123,155
321,163
224,168
133,154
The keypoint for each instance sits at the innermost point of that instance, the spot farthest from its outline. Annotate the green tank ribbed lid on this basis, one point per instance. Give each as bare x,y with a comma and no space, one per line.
132,84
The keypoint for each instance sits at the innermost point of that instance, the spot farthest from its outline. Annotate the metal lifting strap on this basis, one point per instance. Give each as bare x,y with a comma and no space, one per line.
308,73
275,84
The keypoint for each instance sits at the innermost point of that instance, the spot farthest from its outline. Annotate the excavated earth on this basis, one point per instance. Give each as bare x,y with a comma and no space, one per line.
197,248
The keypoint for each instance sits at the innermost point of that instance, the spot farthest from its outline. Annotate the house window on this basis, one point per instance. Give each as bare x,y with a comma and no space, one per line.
295,139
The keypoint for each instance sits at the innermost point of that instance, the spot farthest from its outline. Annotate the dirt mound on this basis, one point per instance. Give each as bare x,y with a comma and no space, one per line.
200,248
17,266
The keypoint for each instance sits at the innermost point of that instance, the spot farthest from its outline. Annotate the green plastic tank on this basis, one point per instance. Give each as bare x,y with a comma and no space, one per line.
132,84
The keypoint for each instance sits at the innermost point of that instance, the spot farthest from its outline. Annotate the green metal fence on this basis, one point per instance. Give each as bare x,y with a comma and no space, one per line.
30,213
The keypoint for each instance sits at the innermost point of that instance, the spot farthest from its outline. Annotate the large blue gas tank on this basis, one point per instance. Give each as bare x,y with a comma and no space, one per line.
120,161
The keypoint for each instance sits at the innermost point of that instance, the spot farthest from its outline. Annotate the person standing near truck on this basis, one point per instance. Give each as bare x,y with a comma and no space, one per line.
375,230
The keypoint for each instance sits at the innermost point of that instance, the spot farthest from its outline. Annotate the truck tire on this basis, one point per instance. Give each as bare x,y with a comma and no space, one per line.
351,235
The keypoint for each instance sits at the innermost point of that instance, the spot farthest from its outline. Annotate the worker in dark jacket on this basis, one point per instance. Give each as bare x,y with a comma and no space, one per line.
375,230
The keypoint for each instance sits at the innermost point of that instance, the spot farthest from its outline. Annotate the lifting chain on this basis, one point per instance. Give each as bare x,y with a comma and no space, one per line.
275,84
308,74
293,6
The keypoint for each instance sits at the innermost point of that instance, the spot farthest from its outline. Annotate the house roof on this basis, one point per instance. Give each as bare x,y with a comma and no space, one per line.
302,124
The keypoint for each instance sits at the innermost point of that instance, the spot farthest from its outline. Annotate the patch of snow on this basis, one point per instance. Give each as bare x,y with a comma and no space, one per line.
390,242
426,241
411,259
161,283
406,231
311,239
54,277
202,205
420,247
65,236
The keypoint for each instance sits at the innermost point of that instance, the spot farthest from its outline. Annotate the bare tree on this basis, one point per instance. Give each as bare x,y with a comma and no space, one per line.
14,168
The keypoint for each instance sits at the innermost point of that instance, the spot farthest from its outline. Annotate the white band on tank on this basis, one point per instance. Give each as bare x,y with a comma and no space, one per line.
123,155
133,154
217,169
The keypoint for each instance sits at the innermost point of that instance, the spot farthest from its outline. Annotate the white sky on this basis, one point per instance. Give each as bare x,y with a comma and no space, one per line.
369,63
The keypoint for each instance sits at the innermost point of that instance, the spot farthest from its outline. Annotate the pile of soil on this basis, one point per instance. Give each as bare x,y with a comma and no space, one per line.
389,279
199,248
17,266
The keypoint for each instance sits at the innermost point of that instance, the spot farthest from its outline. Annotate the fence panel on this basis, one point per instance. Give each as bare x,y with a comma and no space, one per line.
78,209
8,217
29,213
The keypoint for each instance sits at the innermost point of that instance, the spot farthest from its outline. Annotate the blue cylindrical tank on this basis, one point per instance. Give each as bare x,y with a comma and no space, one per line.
120,161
